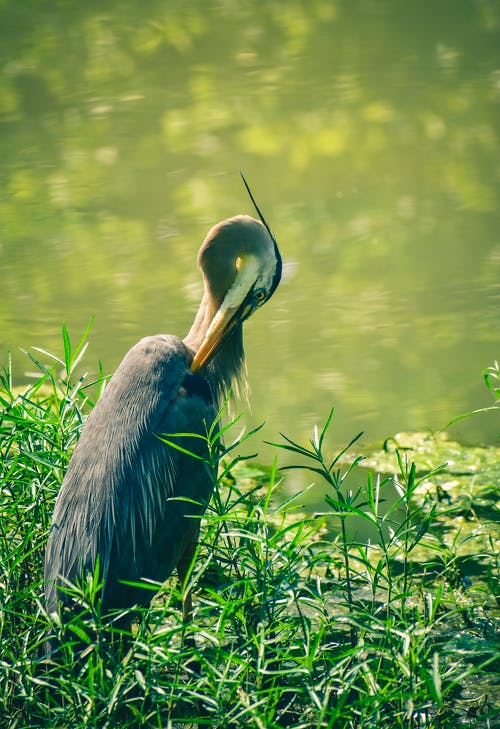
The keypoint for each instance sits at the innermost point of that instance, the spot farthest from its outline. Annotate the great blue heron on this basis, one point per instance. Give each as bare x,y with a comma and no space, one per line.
119,500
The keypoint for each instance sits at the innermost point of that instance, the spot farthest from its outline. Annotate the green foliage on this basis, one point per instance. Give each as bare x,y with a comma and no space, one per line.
491,376
297,623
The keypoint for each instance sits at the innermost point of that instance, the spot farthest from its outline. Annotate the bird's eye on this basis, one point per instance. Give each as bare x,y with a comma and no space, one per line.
259,294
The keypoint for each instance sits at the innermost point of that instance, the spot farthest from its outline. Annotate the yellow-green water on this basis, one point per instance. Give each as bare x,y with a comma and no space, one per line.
369,132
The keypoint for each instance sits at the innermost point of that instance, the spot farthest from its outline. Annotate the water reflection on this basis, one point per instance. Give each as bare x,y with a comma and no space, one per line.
370,137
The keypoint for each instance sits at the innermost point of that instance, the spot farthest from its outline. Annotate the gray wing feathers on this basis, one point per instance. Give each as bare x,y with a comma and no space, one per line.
121,474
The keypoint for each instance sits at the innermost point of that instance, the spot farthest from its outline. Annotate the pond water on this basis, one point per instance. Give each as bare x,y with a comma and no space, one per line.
369,133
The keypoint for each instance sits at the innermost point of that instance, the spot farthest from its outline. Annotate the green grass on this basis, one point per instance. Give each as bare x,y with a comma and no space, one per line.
298,621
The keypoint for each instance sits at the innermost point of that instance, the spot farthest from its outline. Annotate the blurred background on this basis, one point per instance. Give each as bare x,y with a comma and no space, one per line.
369,133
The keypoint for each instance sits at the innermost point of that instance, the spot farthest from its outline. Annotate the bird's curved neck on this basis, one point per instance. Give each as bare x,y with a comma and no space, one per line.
199,327
226,370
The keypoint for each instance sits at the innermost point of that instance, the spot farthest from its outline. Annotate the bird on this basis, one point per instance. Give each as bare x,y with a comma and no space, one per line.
130,502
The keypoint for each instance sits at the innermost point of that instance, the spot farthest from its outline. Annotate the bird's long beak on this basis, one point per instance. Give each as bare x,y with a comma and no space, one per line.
223,323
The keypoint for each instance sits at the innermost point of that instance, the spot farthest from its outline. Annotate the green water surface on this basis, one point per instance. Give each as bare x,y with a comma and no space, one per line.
369,132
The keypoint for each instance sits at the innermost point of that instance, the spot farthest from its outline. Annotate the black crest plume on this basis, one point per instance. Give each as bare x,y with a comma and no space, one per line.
277,275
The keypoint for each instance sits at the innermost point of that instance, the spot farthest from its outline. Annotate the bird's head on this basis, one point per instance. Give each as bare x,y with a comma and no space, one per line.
241,266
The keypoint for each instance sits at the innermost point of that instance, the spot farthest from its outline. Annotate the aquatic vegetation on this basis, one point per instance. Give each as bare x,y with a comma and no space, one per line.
301,620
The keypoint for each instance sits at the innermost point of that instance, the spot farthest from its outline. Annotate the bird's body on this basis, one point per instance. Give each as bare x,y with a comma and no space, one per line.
129,501
116,499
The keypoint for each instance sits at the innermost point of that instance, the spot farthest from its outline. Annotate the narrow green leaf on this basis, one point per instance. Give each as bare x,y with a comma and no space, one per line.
77,356
47,354
178,447
347,509
80,633
243,437
84,336
325,428
436,677
293,447
67,349
344,450
312,469
489,409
